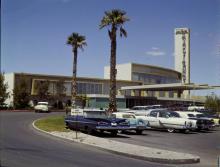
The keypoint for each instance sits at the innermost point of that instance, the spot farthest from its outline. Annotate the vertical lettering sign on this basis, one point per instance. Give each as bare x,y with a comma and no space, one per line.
183,32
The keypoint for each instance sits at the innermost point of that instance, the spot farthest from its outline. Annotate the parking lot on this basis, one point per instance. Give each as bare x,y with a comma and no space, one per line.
204,144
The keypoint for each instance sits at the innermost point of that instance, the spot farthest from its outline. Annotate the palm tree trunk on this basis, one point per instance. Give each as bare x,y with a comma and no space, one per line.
112,91
74,85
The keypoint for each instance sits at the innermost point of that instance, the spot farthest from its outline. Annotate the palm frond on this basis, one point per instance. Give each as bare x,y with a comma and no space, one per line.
76,40
123,32
114,17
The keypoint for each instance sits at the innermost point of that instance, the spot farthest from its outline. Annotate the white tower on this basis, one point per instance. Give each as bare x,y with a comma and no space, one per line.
182,54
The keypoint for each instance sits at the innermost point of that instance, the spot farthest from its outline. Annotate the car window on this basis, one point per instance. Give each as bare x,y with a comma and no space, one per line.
153,114
191,115
174,114
163,114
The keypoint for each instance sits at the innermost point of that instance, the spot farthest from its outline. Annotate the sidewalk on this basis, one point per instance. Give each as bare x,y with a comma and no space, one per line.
130,150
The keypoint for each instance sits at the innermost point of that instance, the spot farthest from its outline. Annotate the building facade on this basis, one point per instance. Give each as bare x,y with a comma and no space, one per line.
97,89
89,87
147,75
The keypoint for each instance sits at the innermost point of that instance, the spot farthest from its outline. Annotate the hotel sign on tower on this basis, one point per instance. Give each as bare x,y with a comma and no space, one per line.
182,53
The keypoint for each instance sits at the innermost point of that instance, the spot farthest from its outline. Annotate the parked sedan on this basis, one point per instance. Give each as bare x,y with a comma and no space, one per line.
203,123
95,120
136,124
165,119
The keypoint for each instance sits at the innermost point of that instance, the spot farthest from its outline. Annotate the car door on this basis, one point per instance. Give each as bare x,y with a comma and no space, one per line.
167,121
153,120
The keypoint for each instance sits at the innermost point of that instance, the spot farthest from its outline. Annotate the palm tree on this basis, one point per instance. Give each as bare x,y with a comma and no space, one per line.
76,41
115,20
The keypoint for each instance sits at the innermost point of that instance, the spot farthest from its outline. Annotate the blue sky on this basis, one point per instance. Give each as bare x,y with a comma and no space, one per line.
34,33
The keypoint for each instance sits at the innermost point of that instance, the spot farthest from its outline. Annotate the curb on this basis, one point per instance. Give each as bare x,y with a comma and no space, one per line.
169,160
16,110
29,110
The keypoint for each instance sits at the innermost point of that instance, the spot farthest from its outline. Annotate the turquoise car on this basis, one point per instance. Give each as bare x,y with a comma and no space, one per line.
136,124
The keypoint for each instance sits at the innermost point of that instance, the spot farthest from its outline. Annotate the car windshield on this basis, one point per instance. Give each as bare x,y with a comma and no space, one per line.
200,115
128,116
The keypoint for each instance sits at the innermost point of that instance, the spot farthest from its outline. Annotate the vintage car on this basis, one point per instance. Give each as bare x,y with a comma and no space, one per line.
91,120
203,123
136,124
195,108
215,119
165,119
41,107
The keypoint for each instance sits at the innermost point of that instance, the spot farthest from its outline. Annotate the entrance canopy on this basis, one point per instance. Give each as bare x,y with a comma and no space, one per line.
170,87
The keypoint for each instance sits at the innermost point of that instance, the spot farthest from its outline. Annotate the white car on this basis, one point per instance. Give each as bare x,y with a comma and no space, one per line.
165,119
41,107
137,124
203,122
195,108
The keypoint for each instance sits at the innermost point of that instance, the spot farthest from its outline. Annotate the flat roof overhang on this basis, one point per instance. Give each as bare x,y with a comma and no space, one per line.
170,87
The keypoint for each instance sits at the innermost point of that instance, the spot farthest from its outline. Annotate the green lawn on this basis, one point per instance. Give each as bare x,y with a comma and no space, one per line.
52,123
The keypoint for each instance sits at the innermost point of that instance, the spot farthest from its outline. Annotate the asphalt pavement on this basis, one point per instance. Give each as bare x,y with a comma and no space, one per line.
23,146
205,144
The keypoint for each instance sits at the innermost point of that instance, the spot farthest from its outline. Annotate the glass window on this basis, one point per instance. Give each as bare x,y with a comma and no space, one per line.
126,116
153,113
200,115
174,114
89,88
163,114
191,115
67,86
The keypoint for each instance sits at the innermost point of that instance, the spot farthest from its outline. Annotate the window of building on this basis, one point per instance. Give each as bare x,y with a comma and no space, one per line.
89,88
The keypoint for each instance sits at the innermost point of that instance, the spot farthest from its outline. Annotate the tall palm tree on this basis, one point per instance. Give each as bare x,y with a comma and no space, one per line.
76,41
115,20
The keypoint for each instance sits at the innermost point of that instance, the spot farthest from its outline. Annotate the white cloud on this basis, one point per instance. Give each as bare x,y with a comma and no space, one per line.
155,52
155,48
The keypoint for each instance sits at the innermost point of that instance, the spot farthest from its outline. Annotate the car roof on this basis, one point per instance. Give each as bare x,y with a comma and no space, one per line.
42,102
189,112
123,113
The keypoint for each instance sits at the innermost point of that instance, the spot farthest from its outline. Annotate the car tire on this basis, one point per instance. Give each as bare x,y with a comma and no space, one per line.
114,133
36,111
170,130
88,130
184,130
101,131
139,132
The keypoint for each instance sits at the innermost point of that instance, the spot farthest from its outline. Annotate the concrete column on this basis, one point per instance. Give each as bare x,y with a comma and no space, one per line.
167,94
132,92
120,92
144,93
157,94
175,95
